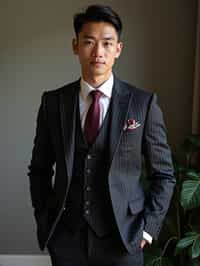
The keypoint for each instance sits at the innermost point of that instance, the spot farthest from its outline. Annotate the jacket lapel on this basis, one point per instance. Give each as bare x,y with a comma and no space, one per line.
120,103
68,107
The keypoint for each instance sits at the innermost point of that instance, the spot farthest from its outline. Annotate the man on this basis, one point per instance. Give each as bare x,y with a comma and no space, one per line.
96,131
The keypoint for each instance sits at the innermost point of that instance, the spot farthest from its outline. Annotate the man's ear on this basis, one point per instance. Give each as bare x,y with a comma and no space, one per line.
75,45
119,49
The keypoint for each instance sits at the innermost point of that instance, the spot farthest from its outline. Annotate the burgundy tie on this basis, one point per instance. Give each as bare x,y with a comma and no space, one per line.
91,126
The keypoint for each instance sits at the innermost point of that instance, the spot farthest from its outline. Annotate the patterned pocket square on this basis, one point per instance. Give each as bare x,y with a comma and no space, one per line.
131,124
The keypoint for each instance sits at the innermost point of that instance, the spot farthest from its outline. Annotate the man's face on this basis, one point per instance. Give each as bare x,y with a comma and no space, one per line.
97,47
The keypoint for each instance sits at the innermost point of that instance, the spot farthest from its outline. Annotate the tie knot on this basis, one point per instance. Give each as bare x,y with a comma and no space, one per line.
96,94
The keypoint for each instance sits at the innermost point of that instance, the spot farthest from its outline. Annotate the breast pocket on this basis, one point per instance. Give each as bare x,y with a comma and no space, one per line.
131,140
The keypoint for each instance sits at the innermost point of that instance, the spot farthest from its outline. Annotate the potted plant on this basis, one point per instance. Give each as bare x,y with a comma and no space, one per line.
179,241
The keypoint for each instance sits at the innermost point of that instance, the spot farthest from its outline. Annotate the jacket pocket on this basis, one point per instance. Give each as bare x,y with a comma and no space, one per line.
136,206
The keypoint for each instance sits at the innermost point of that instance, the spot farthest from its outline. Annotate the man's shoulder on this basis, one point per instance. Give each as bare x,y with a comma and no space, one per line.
66,88
135,91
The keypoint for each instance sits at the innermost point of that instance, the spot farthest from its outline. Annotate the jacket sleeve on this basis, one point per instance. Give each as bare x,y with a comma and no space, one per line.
41,165
159,166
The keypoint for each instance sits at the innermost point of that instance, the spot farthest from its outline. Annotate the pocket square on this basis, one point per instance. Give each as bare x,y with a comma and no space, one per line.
131,124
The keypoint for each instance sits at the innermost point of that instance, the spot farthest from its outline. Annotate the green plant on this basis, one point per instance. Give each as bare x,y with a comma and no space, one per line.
179,242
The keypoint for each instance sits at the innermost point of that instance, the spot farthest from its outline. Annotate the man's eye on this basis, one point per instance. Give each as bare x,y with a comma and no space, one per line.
107,44
87,42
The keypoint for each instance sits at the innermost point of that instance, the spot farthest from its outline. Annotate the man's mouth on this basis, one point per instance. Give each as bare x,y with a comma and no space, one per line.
97,62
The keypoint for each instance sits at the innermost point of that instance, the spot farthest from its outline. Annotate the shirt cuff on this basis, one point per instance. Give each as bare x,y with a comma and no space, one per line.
147,237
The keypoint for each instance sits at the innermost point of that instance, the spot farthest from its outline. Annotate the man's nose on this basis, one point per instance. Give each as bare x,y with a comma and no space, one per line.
97,50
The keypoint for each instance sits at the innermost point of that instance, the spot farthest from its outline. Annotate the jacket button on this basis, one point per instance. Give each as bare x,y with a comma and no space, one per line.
88,188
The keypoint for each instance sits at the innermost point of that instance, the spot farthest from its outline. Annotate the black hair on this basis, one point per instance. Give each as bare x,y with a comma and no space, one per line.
97,13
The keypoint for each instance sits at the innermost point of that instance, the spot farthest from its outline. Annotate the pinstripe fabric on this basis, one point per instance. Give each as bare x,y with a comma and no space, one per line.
86,249
149,141
100,216
133,212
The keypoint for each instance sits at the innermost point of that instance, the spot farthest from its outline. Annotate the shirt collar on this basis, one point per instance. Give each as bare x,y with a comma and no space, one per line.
105,88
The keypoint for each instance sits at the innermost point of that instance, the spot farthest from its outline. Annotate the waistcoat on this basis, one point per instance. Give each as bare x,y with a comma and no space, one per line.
88,199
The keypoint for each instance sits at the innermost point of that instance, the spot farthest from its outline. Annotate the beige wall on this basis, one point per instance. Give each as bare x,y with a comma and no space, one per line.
35,55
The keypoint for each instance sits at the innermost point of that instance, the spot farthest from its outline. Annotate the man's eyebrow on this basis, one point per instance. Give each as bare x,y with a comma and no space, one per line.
109,38
88,37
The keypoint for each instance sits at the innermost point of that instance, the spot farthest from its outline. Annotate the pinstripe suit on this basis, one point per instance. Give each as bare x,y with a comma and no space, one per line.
54,143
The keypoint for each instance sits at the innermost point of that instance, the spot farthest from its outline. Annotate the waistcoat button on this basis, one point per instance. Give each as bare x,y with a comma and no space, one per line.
88,171
87,212
87,203
88,188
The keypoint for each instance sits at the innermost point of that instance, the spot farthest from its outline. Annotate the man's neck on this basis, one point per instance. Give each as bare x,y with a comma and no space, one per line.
96,81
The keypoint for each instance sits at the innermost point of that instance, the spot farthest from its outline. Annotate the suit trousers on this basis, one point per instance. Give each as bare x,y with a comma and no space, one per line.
84,248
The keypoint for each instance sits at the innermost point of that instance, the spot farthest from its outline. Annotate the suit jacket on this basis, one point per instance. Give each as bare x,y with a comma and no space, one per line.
54,146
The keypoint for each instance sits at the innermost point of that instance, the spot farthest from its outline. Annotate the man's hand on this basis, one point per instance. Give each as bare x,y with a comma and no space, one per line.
143,243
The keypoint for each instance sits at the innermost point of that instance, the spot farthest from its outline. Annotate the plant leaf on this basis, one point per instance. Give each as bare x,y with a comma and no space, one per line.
166,262
193,174
195,263
191,233
196,247
194,140
190,194
184,242
152,256
155,261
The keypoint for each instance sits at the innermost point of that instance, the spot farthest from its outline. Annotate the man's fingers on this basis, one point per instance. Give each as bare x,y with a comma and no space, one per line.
143,243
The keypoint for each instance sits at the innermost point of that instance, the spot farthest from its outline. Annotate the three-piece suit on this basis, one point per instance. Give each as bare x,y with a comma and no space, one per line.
93,194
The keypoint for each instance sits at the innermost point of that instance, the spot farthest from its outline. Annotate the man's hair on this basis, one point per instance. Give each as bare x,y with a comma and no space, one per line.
98,13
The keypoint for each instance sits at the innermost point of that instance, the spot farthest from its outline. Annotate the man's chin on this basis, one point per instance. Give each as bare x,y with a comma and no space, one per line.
97,72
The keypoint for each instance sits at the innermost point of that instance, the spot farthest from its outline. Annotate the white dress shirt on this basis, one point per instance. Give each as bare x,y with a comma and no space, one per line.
85,100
